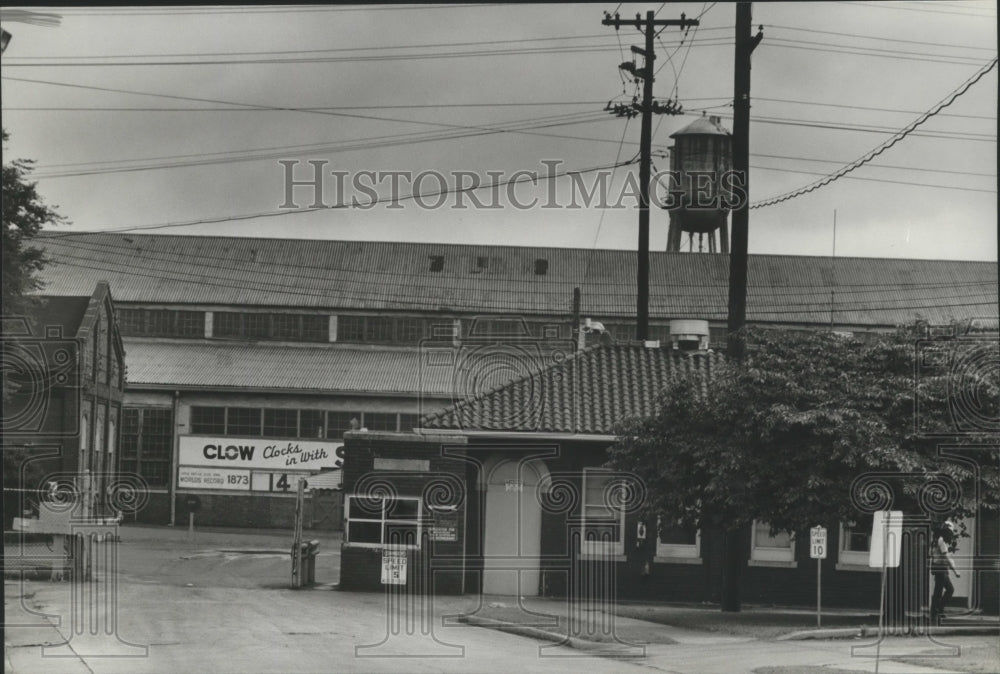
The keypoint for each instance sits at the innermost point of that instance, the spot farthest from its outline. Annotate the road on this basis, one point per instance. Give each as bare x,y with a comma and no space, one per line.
219,602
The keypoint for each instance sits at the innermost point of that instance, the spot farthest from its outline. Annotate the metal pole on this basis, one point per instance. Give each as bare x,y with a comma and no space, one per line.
819,593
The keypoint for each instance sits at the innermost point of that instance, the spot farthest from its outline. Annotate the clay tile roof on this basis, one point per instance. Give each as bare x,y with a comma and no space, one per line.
587,393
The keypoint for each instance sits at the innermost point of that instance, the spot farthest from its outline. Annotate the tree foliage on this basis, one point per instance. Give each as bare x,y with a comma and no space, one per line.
24,215
782,437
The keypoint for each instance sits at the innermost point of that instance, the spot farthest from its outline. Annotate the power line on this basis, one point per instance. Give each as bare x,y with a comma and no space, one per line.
871,5
880,180
368,204
881,38
434,45
898,136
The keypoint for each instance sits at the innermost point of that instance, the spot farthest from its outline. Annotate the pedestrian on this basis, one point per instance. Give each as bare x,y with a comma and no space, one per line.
945,542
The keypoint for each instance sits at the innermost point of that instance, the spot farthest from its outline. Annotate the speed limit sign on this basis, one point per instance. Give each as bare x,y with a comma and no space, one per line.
817,543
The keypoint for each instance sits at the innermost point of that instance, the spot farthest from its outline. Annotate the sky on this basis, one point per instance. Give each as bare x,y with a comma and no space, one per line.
146,119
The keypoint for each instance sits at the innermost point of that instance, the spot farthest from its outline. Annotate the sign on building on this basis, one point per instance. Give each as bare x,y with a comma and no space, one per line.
276,455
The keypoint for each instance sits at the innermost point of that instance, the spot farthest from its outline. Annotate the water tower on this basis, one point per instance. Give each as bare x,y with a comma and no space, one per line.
701,155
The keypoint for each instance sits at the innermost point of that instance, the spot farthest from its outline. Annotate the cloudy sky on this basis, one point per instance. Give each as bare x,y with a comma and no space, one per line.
145,117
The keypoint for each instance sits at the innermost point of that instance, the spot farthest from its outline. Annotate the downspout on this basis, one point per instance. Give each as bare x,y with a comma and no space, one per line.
173,462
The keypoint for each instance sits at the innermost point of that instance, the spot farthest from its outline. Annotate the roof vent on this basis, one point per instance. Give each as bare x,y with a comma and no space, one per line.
689,334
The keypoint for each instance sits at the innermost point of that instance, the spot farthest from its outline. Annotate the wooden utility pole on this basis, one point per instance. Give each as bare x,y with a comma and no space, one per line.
745,44
734,550
647,108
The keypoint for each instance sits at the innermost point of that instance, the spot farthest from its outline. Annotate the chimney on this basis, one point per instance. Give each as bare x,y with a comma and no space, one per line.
689,334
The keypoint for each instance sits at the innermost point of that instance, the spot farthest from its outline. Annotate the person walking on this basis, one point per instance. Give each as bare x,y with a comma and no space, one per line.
943,546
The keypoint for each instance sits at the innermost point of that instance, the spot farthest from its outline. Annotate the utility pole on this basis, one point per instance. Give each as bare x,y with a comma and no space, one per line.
745,44
648,107
733,550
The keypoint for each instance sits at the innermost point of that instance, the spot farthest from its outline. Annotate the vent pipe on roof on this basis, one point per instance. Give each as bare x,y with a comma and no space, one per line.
689,334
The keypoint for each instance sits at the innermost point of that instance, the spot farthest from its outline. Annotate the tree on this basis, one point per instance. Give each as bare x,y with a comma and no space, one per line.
24,215
782,437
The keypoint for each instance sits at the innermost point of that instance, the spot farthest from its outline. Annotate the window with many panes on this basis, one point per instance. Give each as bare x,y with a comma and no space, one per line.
338,423
281,423
603,513
161,323
243,421
208,420
381,522
147,443
226,324
380,421
407,422
380,329
311,423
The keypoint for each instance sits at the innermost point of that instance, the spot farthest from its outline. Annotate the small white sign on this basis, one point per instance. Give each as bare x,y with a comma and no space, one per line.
817,543
189,477
887,538
393,567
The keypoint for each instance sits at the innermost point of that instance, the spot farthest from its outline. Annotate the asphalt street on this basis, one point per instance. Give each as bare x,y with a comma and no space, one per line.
220,602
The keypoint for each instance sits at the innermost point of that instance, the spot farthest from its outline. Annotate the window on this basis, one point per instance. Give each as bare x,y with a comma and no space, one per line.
147,443
256,326
674,541
409,330
337,423
378,329
407,422
378,522
208,420
190,323
281,423
603,517
779,548
243,421
286,326
311,423
437,263
130,321
226,324
541,266
315,328
855,542
351,329
380,421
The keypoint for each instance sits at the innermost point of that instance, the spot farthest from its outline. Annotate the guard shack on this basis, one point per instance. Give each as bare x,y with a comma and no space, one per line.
407,509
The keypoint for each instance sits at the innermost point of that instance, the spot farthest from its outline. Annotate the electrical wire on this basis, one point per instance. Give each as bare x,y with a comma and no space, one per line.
368,204
898,136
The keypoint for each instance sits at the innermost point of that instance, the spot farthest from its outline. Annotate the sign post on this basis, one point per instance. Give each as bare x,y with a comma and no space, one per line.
887,540
817,550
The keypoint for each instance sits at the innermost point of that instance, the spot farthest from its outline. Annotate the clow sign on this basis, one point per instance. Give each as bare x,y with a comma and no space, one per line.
817,543
206,451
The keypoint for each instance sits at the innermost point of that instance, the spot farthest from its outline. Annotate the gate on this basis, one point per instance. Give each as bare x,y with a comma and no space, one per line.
327,509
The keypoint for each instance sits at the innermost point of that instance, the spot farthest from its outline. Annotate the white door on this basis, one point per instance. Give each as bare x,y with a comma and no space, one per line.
513,527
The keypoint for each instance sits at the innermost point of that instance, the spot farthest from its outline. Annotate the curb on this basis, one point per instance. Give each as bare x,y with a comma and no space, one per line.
861,633
600,648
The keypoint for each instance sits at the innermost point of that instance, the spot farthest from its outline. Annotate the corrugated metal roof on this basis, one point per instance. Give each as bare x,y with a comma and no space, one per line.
253,365
380,275
588,393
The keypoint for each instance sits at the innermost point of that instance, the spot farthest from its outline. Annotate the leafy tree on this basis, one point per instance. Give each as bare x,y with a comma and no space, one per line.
782,436
24,215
